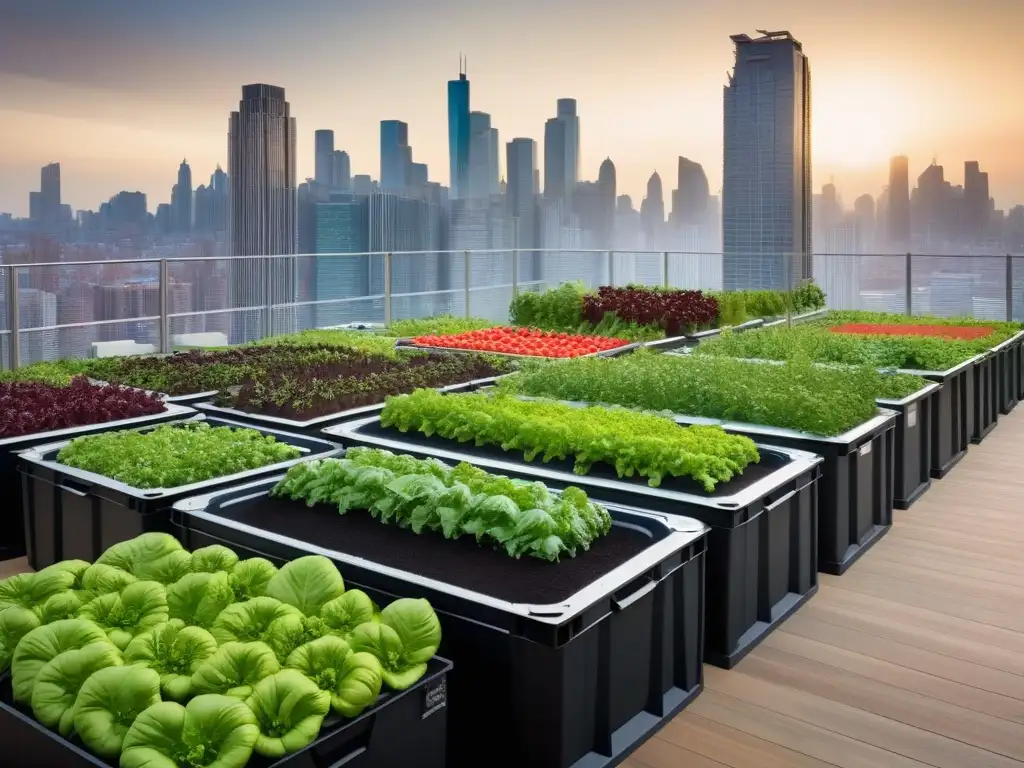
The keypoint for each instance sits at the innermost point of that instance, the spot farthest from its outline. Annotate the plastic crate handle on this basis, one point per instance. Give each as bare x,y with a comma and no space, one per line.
326,757
624,603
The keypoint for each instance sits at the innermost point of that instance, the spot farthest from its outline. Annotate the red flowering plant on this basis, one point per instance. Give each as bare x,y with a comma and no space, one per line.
675,312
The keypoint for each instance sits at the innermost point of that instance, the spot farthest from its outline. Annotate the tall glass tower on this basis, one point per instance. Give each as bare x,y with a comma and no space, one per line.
766,190
458,134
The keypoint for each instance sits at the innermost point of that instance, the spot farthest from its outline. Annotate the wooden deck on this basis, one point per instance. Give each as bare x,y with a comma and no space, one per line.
914,657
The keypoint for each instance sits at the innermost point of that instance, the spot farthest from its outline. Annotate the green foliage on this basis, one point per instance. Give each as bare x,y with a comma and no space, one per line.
633,443
198,598
108,704
437,326
212,559
44,643
249,578
522,517
403,641
558,309
31,590
307,583
353,680
59,373
817,343
173,455
251,620
234,669
1002,329
15,623
210,731
174,651
364,341
797,395
289,709
143,554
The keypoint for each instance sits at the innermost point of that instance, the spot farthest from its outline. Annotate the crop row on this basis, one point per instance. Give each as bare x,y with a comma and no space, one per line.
797,395
629,442
158,656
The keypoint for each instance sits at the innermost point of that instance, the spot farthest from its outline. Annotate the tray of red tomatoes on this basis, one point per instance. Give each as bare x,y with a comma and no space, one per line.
523,342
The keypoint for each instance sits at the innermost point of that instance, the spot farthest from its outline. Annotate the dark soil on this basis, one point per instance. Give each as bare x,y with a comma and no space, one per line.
460,562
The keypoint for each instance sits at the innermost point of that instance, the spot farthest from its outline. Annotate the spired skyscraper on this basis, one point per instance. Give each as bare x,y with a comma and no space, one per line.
766,194
181,200
458,134
263,208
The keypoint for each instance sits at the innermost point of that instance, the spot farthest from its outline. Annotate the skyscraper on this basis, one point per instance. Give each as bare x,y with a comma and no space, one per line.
652,213
521,196
49,195
342,170
181,200
691,196
766,195
562,151
483,157
976,202
606,204
324,158
395,155
458,134
899,202
262,201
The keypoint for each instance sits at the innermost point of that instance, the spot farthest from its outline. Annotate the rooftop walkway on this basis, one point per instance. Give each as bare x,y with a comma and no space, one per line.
914,657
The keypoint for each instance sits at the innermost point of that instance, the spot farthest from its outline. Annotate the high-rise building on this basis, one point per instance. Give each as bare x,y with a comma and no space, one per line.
562,151
606,204
521,197
324,157
49,196
419,175
263,201
483,157
395,155
898,230
976,202
652,213
342,167
458,134
690,198
181,200
767,195
864,220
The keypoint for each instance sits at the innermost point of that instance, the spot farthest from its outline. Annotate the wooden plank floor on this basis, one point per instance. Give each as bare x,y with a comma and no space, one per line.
914,657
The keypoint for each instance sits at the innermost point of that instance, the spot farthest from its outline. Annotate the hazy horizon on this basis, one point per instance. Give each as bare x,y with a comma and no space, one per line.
119,92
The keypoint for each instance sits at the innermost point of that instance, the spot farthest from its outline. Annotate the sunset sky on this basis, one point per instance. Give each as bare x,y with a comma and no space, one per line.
119,91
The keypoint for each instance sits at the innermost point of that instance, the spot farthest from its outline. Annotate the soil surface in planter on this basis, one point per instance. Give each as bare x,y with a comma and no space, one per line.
460,562
959,332
770,462
310,391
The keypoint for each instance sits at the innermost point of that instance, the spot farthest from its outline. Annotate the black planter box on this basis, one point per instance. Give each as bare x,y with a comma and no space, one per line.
406,728
314,427
762,549
1009,361
954,415
610,654
12,524
986,396
73,514
912,466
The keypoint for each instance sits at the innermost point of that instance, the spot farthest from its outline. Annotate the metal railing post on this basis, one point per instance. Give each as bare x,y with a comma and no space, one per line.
515,273
466,261
387,289
265,290
908,297
1009,288
664,269
164,330
611,268
14,314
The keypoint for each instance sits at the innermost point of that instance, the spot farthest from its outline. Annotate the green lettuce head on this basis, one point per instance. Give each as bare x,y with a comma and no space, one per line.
212,559
31,590
15,623
44,643
175,652
211,731
289,708
248,621
108,703
249,578
343,614
151,556
74,567
352,679
198,598
234,669
287,633
406,638
307,583
99,579
63,605
140,606
62,677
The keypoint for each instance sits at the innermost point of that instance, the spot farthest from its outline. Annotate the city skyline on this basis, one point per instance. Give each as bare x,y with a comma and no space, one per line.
111,127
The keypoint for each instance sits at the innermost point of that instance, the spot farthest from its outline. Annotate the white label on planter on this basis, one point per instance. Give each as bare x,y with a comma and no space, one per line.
912,416
864,449
435,698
